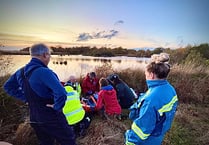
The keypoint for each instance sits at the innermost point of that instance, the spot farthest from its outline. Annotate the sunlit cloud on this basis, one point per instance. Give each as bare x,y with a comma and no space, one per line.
97,35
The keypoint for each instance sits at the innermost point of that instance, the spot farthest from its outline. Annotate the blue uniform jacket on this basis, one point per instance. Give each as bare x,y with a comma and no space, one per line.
43,81
154,113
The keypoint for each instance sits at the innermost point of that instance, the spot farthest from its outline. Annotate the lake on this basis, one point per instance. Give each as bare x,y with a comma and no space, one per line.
77,65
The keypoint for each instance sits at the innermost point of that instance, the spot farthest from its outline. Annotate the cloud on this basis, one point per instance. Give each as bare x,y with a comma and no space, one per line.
97,35
119,22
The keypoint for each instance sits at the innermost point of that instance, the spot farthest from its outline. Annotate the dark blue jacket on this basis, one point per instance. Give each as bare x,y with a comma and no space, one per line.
124,94
43,81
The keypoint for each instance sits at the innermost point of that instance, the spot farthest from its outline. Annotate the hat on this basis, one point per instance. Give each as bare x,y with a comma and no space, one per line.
113,77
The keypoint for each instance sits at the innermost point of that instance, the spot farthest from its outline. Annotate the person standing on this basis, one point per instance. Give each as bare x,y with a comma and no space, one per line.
153,113
40,87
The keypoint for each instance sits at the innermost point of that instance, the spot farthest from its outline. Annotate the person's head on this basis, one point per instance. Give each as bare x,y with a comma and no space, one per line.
42,52
72,79
114,79
103,82
92,75
158,68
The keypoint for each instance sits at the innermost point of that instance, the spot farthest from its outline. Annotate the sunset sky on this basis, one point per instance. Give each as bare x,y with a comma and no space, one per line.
110,23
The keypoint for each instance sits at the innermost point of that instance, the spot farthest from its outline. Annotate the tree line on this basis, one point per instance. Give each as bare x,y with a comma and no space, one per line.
192,54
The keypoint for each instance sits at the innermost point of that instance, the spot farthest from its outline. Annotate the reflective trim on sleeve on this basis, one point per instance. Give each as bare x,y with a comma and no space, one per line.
139,132
129,143
168,106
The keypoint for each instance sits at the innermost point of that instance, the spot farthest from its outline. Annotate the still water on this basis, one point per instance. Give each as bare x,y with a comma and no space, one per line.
77,65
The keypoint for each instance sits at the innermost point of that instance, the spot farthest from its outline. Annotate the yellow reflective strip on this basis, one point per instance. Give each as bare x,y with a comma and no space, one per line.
168,106
139,132
143,97
129,143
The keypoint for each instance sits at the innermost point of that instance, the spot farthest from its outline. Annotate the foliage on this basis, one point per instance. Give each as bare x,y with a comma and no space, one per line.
189,75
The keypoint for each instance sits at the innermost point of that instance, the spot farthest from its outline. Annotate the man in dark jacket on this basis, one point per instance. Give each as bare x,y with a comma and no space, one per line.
40,87
124,93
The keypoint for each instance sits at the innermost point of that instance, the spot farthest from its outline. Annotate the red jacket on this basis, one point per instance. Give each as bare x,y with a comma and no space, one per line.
107,98
90,85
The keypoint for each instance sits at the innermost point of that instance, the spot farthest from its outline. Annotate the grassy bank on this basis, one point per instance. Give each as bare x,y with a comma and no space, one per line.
191,124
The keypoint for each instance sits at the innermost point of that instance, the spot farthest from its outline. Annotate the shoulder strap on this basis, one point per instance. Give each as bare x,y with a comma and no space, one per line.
29,73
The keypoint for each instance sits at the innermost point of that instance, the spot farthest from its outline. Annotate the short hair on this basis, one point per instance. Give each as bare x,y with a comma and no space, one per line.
92,74
38,49
103,82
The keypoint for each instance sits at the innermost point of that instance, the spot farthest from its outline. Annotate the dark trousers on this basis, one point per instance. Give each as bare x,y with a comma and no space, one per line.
47,133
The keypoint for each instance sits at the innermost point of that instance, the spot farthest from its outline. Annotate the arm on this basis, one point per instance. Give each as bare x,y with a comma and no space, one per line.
84,86
52,82
13,86
143,126
99,104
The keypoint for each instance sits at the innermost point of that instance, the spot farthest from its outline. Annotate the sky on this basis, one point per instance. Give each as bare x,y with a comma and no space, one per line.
104,23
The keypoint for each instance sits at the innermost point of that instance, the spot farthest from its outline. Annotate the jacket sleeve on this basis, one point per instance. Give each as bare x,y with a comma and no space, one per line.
52,82
13,88
99,104
84,86
143,126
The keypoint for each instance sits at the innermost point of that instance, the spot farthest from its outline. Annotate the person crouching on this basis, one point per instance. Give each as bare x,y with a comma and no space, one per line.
107,100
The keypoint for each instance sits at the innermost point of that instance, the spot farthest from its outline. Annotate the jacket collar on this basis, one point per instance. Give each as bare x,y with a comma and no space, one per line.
154,83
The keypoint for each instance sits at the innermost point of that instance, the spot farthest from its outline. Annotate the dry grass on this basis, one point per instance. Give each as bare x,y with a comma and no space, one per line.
190,126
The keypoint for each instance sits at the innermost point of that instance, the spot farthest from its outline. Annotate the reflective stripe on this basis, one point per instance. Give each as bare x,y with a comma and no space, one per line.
139,132
168,106
74,112
142,98
71,96
129,143
70,93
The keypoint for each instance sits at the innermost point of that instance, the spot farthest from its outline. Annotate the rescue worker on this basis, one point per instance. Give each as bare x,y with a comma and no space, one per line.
74,112
107,100
72,81
124,93
90,84
153,112
40,87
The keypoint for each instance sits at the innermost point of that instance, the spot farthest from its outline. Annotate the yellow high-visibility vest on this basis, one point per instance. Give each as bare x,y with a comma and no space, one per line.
73,109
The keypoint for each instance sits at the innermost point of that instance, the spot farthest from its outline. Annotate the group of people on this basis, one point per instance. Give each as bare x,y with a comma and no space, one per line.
56,112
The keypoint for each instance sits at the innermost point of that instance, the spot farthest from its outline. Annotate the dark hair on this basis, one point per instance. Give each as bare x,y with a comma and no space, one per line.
103,82
92,74
161,70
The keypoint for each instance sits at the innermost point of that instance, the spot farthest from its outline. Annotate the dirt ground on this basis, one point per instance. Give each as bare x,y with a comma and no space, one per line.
105,132
101,131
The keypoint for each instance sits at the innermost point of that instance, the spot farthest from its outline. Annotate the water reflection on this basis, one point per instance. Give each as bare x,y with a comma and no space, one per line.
79,65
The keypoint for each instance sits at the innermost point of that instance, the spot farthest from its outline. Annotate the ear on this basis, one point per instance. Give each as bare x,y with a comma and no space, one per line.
152,75
46,55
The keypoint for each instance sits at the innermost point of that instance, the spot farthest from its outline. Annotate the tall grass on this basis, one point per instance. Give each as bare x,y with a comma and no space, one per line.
191,123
